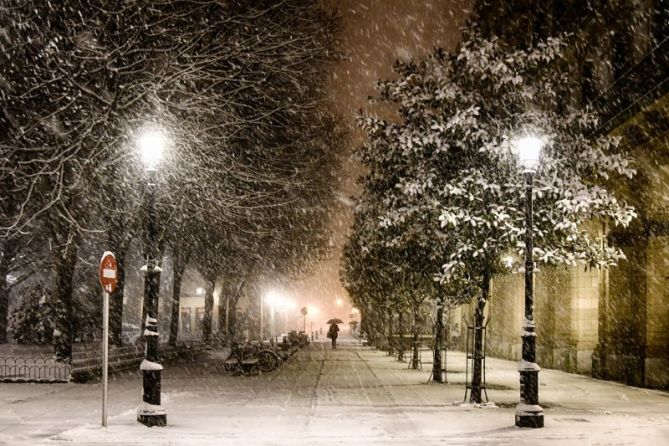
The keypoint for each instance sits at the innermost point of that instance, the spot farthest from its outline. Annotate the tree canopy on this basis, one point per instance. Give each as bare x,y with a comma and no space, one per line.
235,87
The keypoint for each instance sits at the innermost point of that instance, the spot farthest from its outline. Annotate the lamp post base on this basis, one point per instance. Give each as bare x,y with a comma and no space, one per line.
151,415
529,416
152,420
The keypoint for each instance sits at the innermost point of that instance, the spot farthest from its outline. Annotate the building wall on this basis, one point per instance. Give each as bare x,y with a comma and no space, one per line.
566,314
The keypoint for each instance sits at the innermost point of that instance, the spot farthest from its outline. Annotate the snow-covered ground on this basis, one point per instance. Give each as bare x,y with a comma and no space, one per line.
352,395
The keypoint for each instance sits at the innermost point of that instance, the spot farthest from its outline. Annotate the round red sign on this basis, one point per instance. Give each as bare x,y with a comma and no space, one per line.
107,272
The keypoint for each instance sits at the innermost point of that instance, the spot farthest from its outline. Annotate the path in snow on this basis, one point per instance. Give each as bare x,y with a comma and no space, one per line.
352,395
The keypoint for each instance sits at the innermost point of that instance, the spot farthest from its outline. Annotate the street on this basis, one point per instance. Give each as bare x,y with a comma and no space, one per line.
352,395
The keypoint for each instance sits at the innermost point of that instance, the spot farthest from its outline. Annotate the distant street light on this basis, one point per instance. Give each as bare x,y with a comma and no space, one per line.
339,302
151,144
528,412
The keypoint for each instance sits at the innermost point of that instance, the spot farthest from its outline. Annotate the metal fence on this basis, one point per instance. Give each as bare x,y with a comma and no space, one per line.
85,363
33,369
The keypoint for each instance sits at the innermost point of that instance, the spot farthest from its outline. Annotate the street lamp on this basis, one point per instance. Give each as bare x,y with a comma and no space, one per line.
528,412
150,413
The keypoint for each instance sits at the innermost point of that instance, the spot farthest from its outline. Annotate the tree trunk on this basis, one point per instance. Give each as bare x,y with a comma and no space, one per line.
400,336
9,250
64,336
477,354
179,266
119,237
389,323
116,300
4,299
447,335
415,356
363,324
208,308
232,316
437,366
223,314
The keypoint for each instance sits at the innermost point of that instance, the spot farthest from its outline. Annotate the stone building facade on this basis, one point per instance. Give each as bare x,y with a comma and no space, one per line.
611,324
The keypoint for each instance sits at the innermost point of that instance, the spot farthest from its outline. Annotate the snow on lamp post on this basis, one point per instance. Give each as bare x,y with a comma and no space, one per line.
528,412
151,413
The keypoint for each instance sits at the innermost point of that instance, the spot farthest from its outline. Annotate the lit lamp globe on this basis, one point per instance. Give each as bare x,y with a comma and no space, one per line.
529,151
151,145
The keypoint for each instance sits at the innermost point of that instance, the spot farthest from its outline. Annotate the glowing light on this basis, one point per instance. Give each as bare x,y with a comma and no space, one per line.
339,302
151,144
199,291
529,151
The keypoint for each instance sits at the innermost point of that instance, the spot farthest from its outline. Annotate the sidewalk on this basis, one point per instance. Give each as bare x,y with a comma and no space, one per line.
352,395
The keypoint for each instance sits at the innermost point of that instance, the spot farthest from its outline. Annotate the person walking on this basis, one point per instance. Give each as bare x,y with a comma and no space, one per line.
333,332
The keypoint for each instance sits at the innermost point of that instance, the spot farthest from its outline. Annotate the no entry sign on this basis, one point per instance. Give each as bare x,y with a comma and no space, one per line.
107,272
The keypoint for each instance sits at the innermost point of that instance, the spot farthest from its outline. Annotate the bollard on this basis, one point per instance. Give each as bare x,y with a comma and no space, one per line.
151,412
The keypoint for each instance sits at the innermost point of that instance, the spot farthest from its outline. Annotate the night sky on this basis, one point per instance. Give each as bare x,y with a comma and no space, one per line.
374,34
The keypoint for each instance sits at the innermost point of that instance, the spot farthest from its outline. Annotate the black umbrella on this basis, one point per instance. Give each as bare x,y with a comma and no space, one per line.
335,321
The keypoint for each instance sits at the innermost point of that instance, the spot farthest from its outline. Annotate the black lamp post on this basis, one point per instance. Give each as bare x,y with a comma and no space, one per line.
150,412
528,412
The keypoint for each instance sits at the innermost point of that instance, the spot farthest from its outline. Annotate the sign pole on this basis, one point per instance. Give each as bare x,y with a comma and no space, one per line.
108,280
105,354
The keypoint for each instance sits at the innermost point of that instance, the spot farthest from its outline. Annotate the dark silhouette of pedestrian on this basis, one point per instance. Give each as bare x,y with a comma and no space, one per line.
333,332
